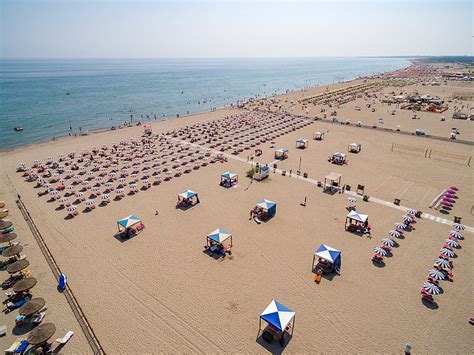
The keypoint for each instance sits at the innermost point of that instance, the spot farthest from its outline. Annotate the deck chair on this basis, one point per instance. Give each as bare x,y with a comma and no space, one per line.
65,338
14,346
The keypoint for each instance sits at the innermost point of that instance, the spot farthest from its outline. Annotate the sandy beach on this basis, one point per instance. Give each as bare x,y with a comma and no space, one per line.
160,292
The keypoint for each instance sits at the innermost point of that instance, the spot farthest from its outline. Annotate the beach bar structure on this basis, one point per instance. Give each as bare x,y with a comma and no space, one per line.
229,179
332,181
187,198
281,154
318,136
328,259
279,319
215,241
357,222
264,209
302,143
354,147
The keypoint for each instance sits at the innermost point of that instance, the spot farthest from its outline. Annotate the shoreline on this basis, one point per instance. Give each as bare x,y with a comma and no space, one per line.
231,106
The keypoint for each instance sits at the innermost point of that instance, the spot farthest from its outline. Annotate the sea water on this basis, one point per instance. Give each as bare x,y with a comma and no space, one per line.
53,98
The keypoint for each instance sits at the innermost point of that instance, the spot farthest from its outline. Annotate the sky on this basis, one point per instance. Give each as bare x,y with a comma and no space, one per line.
245,28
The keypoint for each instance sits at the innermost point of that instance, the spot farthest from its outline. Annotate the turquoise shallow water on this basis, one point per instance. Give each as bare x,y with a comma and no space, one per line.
105,92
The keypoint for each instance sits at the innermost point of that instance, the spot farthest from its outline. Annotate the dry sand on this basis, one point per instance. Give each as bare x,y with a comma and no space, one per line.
158,292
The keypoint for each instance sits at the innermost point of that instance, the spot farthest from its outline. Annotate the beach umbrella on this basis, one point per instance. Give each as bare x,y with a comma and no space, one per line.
452,243
381,251
407,219
122,179
119,191
411,211
456,234
112,174
7,238
351,200
41,333
63,199
109,184
12,251
394,233
71,208
99,178
79,194
400,225
459,226
95,189
447,252
17,266
54,192
77,177
90,202
25,285
105,197
134,175
436,274
85,183
145,181
443,263
388,242
5,224
432,289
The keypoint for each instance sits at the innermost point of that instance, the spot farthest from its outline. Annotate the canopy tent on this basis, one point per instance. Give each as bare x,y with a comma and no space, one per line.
332,180
187,198
331,255
281,154
128,222
354,147
338,158
215,241
229,179
319,136
301,143
264,209
278,317
356,221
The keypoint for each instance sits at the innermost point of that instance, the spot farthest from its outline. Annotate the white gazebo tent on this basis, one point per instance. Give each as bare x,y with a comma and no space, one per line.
319,136
302,143
354,147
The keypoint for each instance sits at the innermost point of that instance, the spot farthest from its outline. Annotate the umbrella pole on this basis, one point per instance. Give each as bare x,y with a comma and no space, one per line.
259,325
293,326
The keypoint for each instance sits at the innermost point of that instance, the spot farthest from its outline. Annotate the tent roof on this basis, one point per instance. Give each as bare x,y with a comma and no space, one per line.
281,150
219,235
339,155
358,216
187,194
266,204
277,315
301,140
228,175
354,144
128,221
333,176
327,253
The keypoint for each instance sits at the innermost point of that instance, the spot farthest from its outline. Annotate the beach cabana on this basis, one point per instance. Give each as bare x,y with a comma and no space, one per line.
332,180
337,158
281,154
279,319
329,259
187,198
354,147
302,143
128,222
215,241
357,222
229,179
263,210
318,136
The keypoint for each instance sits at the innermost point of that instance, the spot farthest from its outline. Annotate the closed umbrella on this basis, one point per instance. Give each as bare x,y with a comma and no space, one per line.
12,251
18,266
41,333
432,289
381,251
436,274
447,252
25,284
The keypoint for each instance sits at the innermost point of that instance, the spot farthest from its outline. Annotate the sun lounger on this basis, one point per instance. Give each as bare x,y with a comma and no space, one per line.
65,338
14,346
22,347
38,318
3,330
